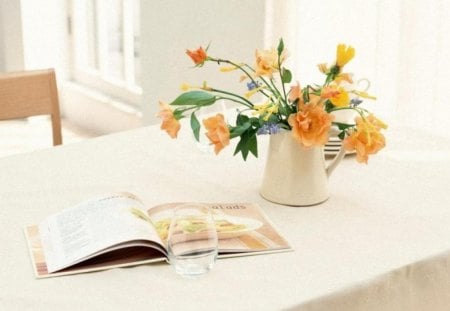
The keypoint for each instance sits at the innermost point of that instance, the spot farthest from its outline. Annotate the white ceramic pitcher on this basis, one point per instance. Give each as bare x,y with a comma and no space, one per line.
295,175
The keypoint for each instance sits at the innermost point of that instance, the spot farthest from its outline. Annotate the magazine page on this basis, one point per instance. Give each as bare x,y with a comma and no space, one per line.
124,257
95,227
241,227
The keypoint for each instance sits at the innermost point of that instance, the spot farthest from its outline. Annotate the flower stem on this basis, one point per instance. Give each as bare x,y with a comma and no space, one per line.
249,103
281,79
218,60
275,90
250,106
183,110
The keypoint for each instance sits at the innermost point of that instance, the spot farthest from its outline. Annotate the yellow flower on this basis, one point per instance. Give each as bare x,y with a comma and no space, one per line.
363,94
260,108
366,139
337,95
267,62
323,68
377,123
185,87
265,110
341,99
217,132
205,86
310,125
228,68
270,110
169,123
253,92
344,54
343,77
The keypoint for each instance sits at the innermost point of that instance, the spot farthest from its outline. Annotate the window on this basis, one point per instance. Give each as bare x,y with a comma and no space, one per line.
105,47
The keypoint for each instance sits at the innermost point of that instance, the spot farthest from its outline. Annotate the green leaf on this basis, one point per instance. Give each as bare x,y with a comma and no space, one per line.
255,122
241,119
342,135
253,144
194,98
242,147
286,110
178,114
239,130
280,46
195,126
328,105
306,96
247,143
286,75
273,118
283,110
292,108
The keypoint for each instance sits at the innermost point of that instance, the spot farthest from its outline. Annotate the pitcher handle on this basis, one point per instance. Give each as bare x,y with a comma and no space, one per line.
336,160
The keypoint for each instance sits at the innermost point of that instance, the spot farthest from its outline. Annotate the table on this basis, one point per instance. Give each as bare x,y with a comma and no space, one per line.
381,242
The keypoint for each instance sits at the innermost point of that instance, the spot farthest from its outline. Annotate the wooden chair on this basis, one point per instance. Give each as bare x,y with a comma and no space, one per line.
31,93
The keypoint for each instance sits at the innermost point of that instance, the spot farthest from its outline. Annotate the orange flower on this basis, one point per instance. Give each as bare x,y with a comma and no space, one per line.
366,139
310,125
329,92
295,93
198,56
313,100
217,132
343,77
267,62
169,123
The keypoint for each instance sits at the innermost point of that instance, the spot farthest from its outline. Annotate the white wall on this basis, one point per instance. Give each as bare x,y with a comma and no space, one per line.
45,42
424,65
33,35
234,29
11,43
2,46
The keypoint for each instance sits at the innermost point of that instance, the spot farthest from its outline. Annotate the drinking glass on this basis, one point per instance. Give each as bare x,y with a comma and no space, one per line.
192,241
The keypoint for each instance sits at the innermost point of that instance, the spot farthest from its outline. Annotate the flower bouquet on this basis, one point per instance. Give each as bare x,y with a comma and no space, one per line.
305,111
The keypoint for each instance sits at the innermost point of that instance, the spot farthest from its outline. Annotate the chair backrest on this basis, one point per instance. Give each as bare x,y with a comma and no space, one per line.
31,93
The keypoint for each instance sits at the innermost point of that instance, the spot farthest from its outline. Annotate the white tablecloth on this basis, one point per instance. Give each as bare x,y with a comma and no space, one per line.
381,242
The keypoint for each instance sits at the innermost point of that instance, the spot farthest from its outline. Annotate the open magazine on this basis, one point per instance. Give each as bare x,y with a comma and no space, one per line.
118,231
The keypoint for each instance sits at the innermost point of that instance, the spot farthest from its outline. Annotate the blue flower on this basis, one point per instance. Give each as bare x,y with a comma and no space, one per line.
355,102
268,128
252,85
